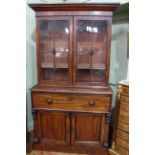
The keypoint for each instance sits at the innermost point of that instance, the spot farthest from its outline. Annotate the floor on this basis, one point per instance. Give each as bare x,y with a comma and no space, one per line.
50,153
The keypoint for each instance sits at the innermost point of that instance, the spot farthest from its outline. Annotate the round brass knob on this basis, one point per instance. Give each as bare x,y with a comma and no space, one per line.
49,101
91,103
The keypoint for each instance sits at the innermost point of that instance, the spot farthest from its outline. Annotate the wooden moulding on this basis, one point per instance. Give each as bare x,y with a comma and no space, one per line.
75,7
72,90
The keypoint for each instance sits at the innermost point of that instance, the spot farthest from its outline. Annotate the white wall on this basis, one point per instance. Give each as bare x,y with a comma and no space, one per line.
31,69
118,67
119,60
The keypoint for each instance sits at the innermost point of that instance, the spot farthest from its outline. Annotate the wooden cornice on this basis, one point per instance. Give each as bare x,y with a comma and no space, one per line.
75,7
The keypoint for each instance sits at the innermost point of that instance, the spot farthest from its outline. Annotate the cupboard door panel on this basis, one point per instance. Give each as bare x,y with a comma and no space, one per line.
52,128
87,129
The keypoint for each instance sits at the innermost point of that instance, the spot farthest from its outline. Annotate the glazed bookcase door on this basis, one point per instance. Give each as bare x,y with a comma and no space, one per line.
54,50
91,46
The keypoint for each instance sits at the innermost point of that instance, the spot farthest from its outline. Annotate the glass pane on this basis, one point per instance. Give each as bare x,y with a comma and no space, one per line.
54,38
91,50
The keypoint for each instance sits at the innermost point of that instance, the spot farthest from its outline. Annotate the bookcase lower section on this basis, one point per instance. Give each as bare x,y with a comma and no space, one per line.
71,131
71,122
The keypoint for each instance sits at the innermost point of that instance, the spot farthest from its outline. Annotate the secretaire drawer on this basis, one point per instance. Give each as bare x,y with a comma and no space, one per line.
71,102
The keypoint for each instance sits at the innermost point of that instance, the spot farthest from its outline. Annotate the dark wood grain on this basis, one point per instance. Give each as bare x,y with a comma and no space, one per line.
108,45
73,13
93,150
38,50
55,12
75,7
86,129
72,100
76,90
53,127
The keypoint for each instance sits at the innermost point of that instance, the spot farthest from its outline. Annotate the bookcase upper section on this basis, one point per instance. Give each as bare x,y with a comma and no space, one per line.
73,44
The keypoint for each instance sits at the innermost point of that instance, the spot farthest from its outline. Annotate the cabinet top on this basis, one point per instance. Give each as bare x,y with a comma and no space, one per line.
78,90
74,7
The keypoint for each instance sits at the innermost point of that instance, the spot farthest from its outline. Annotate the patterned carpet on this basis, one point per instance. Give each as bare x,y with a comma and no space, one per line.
50,153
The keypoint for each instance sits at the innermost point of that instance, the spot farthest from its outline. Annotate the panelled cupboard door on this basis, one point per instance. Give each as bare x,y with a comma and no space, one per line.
54,50
87,129
52,128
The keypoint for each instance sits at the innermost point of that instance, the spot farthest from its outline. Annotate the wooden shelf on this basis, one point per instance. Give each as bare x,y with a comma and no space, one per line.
50,65
87,66
80,66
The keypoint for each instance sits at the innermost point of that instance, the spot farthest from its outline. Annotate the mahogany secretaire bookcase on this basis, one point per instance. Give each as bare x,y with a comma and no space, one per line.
72,101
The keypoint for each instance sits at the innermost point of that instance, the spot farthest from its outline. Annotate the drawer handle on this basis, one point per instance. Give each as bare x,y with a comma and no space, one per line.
91,103
49,101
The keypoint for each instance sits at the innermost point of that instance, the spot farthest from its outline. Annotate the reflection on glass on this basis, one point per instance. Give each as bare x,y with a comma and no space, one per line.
54,51
91,50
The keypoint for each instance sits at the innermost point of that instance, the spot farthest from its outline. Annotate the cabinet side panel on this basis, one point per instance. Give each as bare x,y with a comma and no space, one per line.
108,47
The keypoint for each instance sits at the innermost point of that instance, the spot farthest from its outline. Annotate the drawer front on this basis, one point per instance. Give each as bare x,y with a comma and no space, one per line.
123,126
125,90
123,135
124,107
121,150
71,102
123,117
124,99
122,143
118,151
